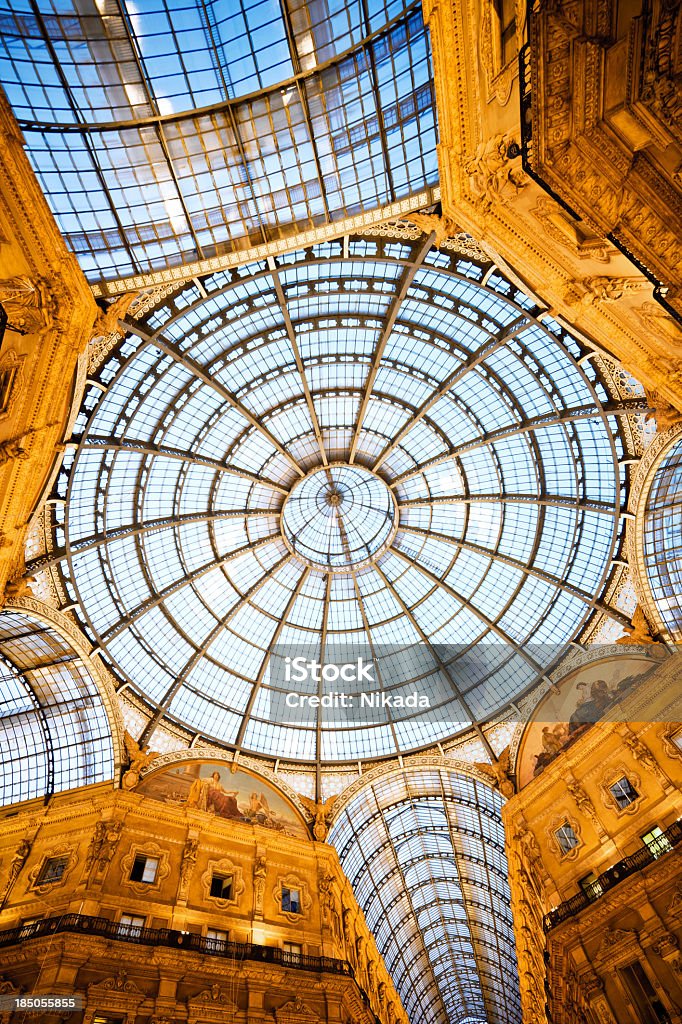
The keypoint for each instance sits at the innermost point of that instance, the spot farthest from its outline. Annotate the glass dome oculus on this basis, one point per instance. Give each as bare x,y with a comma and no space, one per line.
339,517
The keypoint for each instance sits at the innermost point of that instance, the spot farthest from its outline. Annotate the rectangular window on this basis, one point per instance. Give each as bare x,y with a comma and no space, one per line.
676,738
292,947
506,19
99,1019
215,938
144,868
591,886
566,838
291,900
651,1010
6,381
656,841
623,792
221,886
52,870
130,925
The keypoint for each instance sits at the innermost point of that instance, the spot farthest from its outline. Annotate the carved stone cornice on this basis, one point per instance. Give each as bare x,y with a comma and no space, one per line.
559,257
594,122
50,311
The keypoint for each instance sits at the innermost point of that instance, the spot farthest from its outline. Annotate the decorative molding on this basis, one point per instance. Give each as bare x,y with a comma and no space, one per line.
499,78
616,944
669,745
301,240
296,1012
226,867
609,777
550,831
292,881
162,871
34,887
211,1004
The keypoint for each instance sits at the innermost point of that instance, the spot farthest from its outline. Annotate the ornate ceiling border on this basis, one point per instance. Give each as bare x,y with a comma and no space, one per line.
301,240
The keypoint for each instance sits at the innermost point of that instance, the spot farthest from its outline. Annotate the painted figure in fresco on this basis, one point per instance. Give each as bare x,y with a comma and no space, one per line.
211,795
594,699
259,812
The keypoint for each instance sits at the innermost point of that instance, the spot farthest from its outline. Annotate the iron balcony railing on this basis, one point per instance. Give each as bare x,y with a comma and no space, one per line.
101,926
654,849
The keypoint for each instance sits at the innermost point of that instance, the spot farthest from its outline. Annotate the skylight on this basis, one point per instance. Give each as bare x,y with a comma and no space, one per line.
424,852
174,130
370,443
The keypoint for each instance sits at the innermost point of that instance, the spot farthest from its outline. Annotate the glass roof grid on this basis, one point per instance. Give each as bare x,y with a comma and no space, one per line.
661,542
180,224
407,819
55,730
192,487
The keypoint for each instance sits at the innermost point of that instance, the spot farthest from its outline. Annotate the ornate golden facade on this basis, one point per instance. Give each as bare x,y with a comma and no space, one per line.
50,313
169,948
614,159
598,925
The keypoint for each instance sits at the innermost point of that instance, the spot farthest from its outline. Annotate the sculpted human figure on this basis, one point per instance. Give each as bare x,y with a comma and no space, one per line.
189,858
18,860
259,873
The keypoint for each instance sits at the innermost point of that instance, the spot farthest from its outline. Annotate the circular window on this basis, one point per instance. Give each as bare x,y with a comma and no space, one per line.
339,517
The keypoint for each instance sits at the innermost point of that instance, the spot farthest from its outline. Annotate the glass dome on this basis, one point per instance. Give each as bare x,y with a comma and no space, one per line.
372,442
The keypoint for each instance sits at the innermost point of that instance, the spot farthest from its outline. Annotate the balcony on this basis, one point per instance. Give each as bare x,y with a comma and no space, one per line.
82,924
655,848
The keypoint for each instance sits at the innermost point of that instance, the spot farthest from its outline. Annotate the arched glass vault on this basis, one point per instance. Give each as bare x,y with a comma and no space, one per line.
373,441
424,851
54,729
662,540
169,131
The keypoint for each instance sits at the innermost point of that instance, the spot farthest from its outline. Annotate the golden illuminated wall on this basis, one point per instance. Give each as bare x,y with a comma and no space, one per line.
566,260
584,963
334,973
50,313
